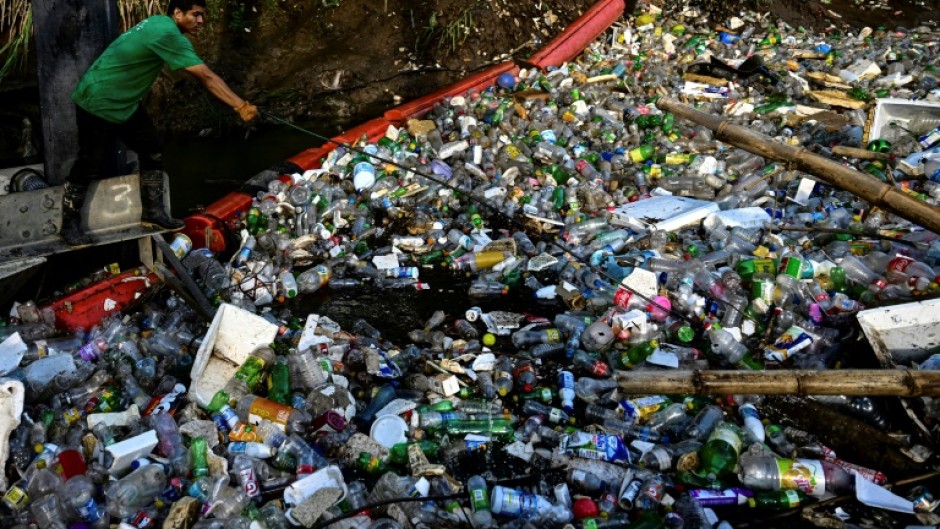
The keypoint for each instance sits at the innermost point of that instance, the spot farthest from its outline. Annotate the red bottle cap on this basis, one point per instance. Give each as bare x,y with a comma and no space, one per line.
585,508
72,463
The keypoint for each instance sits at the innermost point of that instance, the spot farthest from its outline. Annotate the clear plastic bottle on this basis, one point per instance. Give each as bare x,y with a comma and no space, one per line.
136,490
703,423
79,491
517,504
305,370
313,279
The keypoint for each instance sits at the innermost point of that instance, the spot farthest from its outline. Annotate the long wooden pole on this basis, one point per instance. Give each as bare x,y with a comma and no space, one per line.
865,186
852,382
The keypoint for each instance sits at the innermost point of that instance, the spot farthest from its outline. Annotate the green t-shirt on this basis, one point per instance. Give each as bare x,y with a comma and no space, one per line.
117,81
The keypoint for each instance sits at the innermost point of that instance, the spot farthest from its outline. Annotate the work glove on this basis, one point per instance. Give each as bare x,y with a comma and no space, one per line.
247,111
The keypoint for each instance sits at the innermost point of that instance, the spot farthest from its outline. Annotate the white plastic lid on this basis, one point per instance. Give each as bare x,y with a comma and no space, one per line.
389,430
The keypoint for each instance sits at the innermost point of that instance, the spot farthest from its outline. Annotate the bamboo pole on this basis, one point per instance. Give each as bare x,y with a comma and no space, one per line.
867,187
852,382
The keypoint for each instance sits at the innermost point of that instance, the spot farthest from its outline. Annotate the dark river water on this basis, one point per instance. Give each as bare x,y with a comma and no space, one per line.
203,169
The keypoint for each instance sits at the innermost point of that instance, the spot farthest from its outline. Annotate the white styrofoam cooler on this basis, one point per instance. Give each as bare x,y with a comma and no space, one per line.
665,213
904,332
231,338
901,111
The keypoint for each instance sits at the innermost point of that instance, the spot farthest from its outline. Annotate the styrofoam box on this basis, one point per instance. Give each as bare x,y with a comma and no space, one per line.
665,213
233,335
901,111
904,332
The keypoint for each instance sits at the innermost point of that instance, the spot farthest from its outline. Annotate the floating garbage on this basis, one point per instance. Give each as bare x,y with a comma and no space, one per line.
672,287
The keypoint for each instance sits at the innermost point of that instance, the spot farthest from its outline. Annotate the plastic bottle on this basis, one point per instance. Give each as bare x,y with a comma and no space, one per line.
719,456
777,500
566,390
517,504
555,415
198,456
313,279
704,423
752,423
136,490
480,502
243,467
814,477
777,440
252,409
503,380
305,370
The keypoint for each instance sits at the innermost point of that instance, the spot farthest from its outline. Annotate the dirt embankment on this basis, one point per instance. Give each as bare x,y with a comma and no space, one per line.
344,61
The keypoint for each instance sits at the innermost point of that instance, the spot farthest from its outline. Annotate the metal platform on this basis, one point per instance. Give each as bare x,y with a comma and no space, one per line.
30,221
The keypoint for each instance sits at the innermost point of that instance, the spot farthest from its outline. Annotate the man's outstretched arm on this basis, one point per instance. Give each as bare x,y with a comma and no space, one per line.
217,87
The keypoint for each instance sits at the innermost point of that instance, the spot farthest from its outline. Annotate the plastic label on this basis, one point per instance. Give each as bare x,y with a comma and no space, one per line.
479,500
728,436
270,410
16,497
802,474
89,511
249,483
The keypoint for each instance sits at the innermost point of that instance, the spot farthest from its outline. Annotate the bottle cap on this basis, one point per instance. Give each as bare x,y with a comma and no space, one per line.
389,430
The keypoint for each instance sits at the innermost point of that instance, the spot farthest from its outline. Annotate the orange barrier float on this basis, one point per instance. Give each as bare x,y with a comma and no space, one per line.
579,34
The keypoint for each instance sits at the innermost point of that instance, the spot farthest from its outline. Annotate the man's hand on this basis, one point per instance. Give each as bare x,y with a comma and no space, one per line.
247,111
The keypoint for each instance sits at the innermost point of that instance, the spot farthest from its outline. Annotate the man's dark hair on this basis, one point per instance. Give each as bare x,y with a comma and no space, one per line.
184,5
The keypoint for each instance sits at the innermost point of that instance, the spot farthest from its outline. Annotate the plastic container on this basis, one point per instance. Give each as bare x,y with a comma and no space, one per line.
232,336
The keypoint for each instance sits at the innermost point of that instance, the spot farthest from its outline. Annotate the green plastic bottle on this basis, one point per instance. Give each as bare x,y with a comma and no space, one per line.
777,500
221,398
638,354
198,452
398,454
499,427
719,456
642,153
370,463
279,382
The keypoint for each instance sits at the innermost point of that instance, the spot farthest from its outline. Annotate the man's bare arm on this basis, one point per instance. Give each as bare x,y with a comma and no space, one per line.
215,85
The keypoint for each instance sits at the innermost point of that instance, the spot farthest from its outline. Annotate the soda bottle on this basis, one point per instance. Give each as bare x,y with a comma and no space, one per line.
522,339
279,382
814,477
525,377
480,502
777,500
638,354
198,456
79,491
555,415
503,376
313,279
370,463
249,375
244,469
566,390
590,365
719,456
252,409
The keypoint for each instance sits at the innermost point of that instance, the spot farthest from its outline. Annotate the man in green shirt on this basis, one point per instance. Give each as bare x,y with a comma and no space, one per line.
108,108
